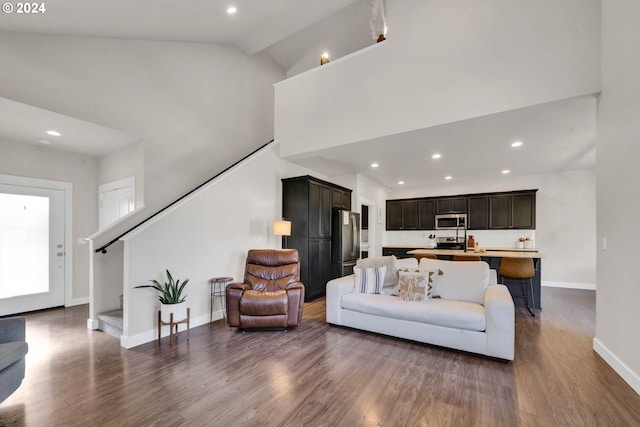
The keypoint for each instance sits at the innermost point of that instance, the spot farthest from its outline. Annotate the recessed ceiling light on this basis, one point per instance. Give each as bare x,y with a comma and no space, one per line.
53,133
400,182
44,141
374,165
517,144
448,177
506,171
231,10
436,156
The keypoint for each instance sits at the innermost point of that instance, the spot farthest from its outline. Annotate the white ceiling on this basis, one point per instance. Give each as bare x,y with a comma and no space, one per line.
27,124
557,136
256,25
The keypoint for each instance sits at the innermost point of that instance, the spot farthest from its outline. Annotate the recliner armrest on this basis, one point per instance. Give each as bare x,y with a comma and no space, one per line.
239,285
12,329
295,285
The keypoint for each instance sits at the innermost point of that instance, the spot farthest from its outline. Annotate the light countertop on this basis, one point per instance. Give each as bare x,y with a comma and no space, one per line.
504,252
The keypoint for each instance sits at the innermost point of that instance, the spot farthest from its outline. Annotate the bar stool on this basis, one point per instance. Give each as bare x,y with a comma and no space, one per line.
520,269
430,256
467,258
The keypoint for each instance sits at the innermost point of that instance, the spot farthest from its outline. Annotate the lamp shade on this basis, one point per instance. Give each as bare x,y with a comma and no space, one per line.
282,228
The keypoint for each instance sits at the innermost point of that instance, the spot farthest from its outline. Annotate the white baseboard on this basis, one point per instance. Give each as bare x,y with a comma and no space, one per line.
569,285
92,324
78,301
148,336
618,365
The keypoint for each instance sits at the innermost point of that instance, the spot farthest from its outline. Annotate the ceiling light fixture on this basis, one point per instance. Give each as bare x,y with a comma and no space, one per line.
448,177
436,156
324,58
517,144
53,133
400,182
506,171
231,10
374,165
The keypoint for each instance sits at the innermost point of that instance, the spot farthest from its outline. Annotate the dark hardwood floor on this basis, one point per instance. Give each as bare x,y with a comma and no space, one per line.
320,375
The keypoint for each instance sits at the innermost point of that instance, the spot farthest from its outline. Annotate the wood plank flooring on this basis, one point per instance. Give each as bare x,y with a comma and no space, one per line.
318,375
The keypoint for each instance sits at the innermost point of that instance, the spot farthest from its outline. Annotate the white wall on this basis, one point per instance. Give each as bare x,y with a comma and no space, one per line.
618,200
207,236
197,108
565,221
123,163
443,61
371,191
33,161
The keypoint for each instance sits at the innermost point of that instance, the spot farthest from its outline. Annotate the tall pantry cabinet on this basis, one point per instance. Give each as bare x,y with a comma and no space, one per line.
308,203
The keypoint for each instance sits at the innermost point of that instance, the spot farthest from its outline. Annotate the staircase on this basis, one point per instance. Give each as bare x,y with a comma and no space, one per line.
111,322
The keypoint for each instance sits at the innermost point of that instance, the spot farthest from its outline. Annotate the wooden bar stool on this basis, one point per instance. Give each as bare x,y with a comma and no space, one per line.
467,258
430,256
520,269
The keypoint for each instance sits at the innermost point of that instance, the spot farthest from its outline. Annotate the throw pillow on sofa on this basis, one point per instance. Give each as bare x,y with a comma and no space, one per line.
462,280
390,277
369,280
416,285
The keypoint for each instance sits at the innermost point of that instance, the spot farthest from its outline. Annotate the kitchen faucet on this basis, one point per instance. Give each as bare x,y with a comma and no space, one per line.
464,243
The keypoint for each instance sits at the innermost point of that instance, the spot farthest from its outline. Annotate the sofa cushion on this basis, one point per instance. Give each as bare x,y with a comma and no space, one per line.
11,352
461,281
452,314
389,262
369,280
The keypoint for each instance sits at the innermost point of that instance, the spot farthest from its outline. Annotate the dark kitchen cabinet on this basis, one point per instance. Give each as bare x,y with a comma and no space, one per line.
478,213
451,205
523,211
398,252
512,211
485,211
340,199
427,215
402,215
499,212
308,203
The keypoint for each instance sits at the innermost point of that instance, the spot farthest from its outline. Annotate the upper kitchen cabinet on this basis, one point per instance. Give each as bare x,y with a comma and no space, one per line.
513,211
340,199
451,205
427,214
478,213
402,215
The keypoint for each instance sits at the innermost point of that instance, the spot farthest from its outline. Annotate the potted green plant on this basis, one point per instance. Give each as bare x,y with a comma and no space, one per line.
171,299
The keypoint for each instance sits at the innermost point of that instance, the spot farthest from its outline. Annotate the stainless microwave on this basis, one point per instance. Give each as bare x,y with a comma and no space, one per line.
451,221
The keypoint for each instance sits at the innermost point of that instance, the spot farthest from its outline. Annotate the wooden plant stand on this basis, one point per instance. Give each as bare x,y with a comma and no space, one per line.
173,324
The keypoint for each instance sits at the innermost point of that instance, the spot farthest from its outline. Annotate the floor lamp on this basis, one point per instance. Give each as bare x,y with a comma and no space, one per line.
282,228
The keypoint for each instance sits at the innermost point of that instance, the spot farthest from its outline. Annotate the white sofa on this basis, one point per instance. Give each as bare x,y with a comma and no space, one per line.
474,313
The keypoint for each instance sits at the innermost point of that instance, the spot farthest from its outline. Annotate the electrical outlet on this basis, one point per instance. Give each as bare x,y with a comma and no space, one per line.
604,243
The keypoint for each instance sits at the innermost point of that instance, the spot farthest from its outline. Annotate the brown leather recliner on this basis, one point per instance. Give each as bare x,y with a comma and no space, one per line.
271,296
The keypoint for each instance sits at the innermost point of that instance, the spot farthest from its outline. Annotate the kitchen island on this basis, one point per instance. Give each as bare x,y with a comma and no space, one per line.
493,256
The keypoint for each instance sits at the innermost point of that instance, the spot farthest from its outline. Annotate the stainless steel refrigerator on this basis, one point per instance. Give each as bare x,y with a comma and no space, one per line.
345,242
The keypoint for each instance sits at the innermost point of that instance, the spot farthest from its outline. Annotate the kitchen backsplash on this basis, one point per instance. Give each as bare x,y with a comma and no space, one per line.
486,238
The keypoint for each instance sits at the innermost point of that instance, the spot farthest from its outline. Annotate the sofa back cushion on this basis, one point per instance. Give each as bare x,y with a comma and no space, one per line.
460,281
389,262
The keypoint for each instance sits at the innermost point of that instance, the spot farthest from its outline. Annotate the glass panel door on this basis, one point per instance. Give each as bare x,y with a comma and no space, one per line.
31,249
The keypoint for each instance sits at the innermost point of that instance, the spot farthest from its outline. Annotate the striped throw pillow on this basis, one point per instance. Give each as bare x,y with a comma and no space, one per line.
369,280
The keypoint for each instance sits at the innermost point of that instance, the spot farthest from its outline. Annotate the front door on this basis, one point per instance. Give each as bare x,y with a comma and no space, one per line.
32,252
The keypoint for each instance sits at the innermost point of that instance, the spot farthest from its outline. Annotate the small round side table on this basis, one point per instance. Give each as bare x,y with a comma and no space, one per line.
217,288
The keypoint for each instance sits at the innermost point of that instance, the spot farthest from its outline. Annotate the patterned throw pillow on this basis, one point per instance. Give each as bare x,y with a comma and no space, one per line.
369,280
416,285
